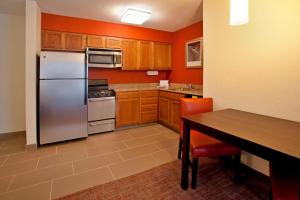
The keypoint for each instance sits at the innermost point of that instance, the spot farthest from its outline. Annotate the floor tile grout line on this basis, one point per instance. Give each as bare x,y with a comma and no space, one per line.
112,174
31,159
129,148
32,170
73,168
51,188
10,182
37,163
155,159
122,158
25,187
117,151
3,163
111,164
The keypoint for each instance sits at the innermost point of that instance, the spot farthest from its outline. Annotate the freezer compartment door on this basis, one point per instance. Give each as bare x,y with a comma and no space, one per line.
62,65
63,110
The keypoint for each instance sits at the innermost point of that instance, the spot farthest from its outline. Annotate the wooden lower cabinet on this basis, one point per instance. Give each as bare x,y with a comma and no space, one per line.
128,109
164,110
136,107
169,109
149,106
175,114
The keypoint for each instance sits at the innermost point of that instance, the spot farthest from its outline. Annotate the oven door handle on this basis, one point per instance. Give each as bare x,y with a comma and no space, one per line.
102,99
99,123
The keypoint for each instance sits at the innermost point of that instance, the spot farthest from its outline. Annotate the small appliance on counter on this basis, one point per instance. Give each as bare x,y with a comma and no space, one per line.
101,107
62,97
164,84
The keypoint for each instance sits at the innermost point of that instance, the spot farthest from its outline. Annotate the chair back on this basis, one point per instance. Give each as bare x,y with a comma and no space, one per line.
189,106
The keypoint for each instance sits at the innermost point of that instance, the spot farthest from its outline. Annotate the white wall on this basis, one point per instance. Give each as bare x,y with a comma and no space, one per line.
254,67
12,70
33,34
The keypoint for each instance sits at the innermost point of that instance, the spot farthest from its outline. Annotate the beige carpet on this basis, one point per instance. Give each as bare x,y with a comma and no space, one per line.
163,182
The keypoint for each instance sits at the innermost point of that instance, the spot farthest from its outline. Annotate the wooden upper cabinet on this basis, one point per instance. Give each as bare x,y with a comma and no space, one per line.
145,55
95,41
162,56
52,40
113,43
129,48
55,40
75,41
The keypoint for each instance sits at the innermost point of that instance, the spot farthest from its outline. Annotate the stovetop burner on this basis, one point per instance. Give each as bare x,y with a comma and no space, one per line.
101,93
99,88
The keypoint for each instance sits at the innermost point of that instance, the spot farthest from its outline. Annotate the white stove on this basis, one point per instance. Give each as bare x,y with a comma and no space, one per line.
101,107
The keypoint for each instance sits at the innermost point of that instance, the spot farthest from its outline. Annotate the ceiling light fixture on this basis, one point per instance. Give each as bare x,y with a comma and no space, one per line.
135,16
238,12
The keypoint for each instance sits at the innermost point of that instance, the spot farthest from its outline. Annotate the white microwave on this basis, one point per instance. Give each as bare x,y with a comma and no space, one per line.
104,58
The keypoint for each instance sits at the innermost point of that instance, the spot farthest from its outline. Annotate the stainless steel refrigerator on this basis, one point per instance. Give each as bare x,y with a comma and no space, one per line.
62,97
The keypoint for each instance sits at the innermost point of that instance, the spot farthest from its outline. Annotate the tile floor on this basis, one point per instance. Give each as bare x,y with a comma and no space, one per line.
56,170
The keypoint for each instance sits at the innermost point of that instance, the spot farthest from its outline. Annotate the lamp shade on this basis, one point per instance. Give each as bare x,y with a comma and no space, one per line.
238,12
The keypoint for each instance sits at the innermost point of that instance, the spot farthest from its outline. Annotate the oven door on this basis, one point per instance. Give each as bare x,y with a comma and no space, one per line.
104,59
101,108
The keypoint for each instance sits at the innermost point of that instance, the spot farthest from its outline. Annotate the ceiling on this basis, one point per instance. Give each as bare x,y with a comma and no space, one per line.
167,15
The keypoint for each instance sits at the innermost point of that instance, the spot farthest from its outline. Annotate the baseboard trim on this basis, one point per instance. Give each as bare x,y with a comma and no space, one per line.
15,132
30,147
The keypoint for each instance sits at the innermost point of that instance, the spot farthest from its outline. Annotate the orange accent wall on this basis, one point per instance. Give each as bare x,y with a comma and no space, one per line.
179,73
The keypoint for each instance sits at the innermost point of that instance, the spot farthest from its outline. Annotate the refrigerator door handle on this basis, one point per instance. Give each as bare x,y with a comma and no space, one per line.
86,79
86,92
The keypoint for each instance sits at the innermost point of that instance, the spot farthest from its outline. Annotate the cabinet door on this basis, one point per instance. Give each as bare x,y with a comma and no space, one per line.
149,116
52,40
175,114
114,43
129,48
75,41
164,110
128,112
95,41
162,56
145,55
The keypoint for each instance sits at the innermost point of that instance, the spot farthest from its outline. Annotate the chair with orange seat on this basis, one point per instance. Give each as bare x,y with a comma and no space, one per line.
202,145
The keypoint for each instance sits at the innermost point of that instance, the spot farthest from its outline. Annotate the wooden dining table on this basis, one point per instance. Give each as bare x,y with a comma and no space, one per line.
274,139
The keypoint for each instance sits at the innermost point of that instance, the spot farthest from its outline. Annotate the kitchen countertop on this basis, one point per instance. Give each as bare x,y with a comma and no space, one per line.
197,92
154,86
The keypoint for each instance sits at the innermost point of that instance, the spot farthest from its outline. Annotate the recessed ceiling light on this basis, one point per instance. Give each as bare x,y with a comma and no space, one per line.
135,16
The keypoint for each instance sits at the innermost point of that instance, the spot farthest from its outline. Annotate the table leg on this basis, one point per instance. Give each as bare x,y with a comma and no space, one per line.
185,156
285,180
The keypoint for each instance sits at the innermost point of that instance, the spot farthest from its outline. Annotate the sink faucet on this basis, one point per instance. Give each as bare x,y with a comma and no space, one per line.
190,86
